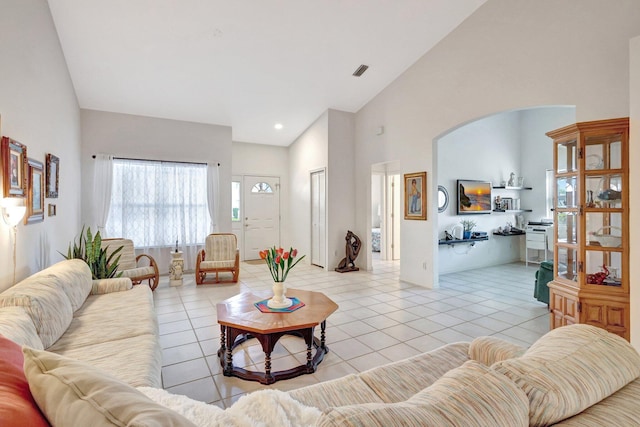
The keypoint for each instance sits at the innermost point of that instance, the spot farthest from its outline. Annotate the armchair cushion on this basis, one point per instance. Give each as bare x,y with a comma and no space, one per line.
128,263
137,272
221,247
220,255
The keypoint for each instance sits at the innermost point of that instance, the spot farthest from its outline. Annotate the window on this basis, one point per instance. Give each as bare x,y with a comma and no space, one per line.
235,201
156,203
261,187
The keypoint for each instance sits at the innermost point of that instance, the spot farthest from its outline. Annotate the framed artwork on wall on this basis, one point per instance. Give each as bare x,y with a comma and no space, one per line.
53,171
415,196
474,197
14,168
35,199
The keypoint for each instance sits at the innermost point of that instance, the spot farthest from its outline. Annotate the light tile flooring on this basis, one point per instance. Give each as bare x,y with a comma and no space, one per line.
380,320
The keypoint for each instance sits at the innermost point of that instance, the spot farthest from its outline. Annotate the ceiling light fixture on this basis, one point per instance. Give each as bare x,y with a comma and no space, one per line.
360,71
278,126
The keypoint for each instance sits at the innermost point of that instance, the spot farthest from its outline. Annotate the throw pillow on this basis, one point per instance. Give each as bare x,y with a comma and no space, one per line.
570,369
73,393
471,395
17,407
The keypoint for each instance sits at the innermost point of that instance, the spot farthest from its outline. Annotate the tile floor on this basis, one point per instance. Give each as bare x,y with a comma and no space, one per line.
380,320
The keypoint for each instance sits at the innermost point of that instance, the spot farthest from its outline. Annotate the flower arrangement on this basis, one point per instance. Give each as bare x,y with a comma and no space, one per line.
468,224
280,262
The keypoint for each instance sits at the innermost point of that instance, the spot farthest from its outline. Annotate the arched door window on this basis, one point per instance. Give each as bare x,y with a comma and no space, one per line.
261,187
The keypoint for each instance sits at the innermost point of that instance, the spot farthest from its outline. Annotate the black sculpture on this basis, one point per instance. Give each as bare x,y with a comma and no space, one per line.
352,248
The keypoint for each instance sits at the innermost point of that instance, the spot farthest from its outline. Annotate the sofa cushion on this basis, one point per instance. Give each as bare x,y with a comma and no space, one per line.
16,325
17,407
135,360
107,286
48,307
569,369
471,395
489,350
398,381
619,409
110,317
72,393
72,276
347,390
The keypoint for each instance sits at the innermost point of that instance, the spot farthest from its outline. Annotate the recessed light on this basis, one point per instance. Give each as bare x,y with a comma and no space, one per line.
278,126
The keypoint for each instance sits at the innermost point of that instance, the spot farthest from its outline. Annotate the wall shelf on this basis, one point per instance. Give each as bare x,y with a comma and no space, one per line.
464,241
504,187
511,210
519,233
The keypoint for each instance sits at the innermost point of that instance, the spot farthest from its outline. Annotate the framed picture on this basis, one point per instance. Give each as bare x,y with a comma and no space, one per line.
52,210
415,196
14,168
474,197
35,199
53,171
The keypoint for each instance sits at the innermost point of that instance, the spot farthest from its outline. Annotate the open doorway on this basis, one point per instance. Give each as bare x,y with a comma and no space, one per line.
492,149
386,196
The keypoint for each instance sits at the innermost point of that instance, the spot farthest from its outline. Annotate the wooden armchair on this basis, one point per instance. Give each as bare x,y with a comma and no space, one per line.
221,254
128,264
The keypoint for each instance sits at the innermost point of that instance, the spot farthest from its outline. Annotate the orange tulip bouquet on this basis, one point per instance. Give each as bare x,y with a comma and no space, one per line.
280,262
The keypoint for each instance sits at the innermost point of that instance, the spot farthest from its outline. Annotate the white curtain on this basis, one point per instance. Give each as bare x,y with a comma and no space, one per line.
102,185
213,194
156,204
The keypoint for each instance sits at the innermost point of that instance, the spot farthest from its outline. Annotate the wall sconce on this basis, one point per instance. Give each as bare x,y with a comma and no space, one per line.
13,210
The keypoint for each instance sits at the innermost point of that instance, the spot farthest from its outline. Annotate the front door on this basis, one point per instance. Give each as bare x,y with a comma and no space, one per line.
261,214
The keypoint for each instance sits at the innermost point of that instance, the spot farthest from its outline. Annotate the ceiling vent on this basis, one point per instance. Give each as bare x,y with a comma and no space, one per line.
360,71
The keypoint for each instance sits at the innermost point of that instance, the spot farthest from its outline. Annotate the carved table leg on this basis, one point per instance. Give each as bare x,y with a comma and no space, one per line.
323,326
267,365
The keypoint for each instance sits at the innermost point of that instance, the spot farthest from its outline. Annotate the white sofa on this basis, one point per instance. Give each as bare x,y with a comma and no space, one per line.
109,324
577,375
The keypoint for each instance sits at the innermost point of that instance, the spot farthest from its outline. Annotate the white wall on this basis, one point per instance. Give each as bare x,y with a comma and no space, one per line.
508,55
131,136
265,160
537,151
341,189
634,194
39,109
307,153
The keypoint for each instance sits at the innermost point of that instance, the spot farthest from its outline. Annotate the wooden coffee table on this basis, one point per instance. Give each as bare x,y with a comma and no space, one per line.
240,320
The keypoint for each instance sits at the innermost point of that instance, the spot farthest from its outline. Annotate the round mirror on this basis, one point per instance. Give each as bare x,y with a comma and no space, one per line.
443,198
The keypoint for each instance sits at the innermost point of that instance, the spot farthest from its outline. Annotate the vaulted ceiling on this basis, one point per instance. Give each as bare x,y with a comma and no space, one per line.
248,64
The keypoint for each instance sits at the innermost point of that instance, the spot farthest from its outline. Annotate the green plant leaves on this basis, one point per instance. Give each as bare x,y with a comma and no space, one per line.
89,249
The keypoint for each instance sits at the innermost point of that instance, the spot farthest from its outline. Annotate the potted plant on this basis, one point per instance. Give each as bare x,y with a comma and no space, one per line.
467,226
89,249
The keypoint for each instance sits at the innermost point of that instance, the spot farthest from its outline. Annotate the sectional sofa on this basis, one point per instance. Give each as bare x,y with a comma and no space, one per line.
103,369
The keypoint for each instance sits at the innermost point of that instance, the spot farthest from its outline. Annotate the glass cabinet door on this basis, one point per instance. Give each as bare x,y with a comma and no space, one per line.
567,156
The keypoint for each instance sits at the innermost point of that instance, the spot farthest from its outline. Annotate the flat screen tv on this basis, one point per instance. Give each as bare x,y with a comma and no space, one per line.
474,197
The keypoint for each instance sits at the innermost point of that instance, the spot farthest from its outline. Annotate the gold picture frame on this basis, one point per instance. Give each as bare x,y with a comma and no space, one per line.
14,168
415,196
35,198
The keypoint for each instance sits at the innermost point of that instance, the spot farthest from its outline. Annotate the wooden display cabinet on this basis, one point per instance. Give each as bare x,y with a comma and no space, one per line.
591,237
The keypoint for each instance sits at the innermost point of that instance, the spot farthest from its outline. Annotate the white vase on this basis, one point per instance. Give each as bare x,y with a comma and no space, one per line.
279,300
